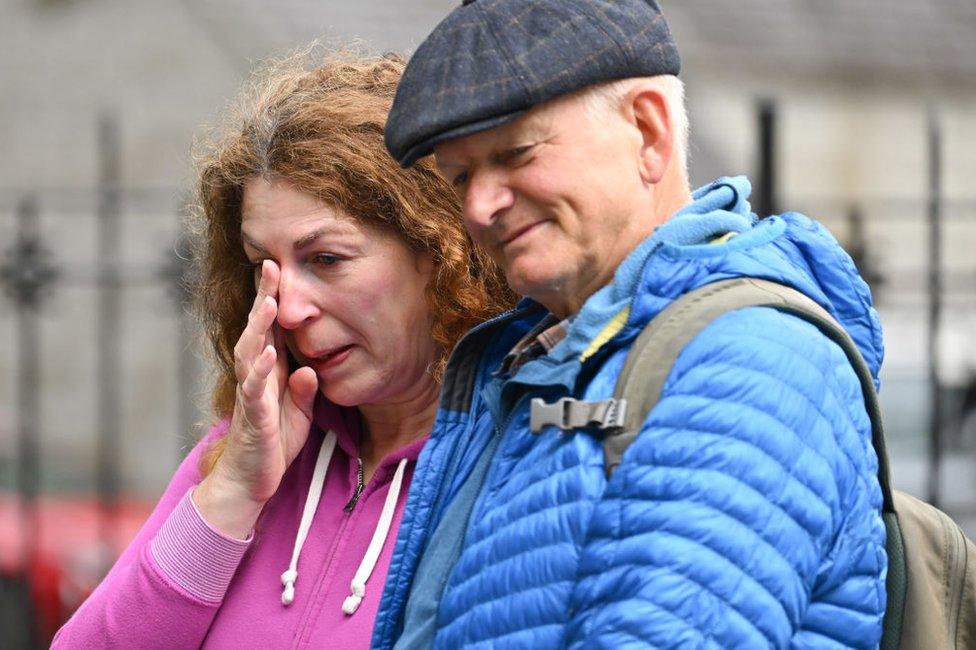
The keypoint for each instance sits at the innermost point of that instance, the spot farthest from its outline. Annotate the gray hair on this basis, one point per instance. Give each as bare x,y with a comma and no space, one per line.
602,97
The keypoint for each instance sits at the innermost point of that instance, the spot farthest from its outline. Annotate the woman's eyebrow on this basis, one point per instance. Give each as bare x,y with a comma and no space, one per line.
301,242
309,238
253,244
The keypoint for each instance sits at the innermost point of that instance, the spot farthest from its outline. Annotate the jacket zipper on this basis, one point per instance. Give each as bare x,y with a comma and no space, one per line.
499,434
359,487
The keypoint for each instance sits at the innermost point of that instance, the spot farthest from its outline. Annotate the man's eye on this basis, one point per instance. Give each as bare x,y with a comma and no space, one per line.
325,259
517,155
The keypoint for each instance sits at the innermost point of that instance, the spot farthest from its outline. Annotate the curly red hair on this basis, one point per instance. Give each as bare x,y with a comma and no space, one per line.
321,129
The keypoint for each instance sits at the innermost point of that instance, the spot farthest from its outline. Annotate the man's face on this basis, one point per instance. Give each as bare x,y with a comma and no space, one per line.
554,197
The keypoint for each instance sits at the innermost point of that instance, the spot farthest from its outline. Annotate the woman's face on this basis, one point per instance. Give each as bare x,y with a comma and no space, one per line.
351,297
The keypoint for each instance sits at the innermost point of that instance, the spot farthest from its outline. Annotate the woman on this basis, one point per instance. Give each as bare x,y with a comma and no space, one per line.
333,285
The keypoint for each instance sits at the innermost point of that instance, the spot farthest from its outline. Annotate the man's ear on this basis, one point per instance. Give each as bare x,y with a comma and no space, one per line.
653,120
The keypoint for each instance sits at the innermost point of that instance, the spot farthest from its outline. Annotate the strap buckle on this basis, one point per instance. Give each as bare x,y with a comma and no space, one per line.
568,413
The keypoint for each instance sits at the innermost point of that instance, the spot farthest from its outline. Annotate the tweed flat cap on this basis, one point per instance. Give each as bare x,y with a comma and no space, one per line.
490,61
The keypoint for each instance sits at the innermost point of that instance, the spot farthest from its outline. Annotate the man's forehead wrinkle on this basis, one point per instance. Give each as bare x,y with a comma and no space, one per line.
533,127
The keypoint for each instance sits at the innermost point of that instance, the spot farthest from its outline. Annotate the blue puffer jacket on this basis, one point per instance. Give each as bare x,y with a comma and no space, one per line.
746,514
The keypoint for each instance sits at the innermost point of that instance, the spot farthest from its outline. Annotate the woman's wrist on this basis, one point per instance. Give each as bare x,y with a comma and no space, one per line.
226,507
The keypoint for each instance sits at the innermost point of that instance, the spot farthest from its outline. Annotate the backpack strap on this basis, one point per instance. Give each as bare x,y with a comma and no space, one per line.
656,349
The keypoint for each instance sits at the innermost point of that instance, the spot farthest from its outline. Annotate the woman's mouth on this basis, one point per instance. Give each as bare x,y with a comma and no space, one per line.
332,358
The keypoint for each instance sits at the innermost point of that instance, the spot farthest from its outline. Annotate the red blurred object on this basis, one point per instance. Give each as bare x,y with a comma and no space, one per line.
77,540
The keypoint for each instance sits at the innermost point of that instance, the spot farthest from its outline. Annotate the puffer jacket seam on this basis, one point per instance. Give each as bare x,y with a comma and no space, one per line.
743,576
773,504
459,622
723,435
860,479
773,417
499,561
708,632
533,513
493,641
827,348
644,643
845,262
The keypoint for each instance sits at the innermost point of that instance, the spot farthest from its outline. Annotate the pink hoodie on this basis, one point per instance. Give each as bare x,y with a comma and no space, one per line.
181,584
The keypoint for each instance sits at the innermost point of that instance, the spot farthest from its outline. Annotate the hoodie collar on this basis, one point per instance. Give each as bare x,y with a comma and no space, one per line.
347,423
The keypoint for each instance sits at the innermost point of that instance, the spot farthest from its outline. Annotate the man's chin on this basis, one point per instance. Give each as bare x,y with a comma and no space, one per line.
537,285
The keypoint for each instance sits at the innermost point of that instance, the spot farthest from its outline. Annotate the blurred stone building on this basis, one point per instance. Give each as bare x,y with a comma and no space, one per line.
100,101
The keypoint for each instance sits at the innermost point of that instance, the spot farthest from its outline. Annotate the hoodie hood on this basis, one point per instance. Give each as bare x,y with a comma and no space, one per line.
791,249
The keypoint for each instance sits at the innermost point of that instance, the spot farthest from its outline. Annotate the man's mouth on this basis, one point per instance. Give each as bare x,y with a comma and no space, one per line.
521,232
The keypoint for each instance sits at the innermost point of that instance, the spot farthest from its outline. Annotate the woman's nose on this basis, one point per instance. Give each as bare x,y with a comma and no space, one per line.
296,304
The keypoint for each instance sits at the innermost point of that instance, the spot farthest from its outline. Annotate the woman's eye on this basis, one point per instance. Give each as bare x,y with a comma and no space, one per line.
256,271
460,179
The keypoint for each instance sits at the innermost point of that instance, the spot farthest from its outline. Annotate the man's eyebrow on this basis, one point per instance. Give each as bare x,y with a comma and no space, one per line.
447,164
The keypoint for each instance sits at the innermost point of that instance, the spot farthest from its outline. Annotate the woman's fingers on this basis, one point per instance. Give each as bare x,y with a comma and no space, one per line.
264,310
268,287
252,388
296,409
266,280
300,396
254,337
277,336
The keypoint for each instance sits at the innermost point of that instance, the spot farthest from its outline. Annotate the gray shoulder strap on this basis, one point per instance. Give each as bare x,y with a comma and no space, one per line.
657,348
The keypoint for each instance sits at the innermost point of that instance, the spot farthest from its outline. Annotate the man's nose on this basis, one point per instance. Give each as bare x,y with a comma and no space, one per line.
296,304
486,197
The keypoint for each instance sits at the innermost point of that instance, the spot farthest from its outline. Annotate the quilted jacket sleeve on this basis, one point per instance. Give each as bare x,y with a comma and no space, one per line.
747,512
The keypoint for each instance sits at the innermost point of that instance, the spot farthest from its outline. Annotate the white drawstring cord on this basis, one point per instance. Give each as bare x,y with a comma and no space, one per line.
352,602
311,504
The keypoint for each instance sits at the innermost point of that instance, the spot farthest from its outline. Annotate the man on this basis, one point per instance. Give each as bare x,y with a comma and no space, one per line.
747,511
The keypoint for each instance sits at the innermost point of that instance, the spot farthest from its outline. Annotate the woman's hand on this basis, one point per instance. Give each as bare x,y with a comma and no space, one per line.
270,424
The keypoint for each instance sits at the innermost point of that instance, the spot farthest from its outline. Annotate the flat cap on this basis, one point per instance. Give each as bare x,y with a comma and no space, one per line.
490,61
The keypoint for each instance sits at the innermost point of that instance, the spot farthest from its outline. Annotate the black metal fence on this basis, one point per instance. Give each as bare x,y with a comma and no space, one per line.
94,321
100,392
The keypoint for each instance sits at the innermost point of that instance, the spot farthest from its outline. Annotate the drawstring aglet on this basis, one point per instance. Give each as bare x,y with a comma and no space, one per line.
288,580
352,601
